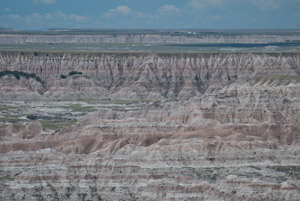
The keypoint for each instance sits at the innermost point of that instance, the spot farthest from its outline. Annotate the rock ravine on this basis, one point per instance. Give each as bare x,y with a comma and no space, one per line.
207,126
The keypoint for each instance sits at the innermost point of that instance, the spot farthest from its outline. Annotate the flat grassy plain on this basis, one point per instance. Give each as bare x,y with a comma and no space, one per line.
292,46
199,32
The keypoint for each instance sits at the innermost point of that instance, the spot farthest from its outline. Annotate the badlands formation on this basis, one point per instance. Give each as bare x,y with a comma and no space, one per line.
153,37
164,126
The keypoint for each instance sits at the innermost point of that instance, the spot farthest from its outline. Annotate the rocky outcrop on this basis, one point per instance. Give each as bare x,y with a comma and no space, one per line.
227,128
16,38
146,76
25,88
168,151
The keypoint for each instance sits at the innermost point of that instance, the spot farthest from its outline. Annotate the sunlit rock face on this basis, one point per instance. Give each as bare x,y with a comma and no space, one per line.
208,127
15,38
138,75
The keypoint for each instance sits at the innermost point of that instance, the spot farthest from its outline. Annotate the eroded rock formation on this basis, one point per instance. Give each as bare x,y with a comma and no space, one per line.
17,38
218,127
145,76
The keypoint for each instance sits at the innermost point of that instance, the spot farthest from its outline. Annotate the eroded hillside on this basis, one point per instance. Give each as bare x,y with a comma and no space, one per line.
152,127
163,37
138,75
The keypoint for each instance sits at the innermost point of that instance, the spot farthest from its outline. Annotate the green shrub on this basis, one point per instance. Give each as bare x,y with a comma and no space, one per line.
70,74
75,73
17,75
63,76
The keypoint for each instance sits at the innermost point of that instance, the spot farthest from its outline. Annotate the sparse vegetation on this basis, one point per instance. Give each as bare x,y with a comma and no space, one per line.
63,76
82,196
70,74
48,124
79,108
70,191
7,107
9,119
93,189
53,191
18,74
293,171
7,178
211,159
3,126
255,167
99,197
214,177
109,101
75,73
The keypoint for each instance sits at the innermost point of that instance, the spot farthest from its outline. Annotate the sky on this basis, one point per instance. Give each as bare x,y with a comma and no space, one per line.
150,14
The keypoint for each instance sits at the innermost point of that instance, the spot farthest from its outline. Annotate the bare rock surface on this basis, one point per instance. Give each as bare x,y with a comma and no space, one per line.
15,38
143,76
23,88
218,127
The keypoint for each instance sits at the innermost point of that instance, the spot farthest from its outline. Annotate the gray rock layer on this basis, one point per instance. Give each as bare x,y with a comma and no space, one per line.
146,38
145,76
232,134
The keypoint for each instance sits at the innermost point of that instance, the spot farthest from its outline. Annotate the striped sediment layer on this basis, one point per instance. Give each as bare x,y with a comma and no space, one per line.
216,127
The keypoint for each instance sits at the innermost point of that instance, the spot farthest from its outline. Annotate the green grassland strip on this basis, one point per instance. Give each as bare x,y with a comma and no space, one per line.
293,171
116,102
3,126
79,108
7,107
290,169
52,125
8,119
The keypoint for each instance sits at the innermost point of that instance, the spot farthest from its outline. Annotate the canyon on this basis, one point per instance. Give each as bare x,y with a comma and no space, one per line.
150,126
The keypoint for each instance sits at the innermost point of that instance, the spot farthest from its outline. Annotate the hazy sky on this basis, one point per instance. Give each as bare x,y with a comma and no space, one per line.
149,14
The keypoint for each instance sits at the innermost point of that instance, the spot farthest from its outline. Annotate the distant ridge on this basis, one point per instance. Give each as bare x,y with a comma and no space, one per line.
7,29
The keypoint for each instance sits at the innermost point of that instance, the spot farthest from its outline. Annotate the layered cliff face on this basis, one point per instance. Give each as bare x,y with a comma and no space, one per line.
191,150
145,76
147,38
211,127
